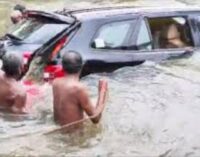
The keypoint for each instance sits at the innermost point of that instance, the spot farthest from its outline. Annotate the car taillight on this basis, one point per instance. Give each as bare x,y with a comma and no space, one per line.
26,57
53,71
58,47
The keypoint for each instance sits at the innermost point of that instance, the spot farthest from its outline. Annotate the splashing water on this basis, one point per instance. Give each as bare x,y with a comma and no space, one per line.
153,110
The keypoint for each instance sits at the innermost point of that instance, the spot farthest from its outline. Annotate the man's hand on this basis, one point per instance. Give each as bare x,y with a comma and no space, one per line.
103,85
103,88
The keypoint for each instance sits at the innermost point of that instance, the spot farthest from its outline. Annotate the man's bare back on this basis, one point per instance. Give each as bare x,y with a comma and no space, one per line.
71,100
67,107
12,95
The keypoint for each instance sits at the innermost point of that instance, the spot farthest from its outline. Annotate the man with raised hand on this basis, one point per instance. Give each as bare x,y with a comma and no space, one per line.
71,98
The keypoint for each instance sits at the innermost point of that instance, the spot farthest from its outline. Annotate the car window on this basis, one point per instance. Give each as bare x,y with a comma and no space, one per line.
36,31
143,40
112,35
170,32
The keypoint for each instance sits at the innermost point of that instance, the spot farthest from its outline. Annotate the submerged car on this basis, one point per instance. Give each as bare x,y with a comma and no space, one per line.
107,38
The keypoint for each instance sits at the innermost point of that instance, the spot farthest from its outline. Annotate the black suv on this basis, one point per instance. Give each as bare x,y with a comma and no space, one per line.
107,38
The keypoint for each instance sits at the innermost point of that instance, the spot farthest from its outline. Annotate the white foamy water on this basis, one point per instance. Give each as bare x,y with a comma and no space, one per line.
152,110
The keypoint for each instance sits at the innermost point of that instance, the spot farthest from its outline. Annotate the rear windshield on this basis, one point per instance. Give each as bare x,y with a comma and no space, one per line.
37,31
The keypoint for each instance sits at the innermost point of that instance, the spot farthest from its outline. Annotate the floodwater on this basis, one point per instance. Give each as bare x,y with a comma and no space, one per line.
152,110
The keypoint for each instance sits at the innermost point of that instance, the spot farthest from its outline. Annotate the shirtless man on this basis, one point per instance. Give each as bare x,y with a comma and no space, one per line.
18,13
16,16
20,8
71,98
12,94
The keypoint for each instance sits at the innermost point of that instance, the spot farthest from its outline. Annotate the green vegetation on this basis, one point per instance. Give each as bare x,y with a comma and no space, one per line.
4,16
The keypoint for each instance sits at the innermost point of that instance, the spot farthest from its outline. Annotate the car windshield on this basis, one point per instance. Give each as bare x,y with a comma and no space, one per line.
36,31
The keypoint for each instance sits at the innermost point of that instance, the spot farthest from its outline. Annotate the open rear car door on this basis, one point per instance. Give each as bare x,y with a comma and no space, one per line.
51,49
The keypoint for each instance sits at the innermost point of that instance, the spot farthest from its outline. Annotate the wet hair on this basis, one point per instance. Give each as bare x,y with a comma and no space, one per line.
72,62
21,8
11,65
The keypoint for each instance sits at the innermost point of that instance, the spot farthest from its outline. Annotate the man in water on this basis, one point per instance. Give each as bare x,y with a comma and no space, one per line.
21,8
70,96
18,14
12,94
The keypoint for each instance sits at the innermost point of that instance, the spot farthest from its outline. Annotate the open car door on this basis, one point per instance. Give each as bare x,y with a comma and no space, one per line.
49,51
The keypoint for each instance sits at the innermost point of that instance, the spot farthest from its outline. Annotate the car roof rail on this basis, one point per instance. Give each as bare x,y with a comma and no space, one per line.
71,11
65,12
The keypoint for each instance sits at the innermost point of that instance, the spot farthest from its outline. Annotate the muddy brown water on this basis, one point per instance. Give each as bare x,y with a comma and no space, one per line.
153,109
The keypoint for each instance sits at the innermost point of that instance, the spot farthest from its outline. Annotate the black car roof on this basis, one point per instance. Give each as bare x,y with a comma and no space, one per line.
70,16
92,13
51,15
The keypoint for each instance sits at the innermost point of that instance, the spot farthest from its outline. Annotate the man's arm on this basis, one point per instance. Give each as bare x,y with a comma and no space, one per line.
86,104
